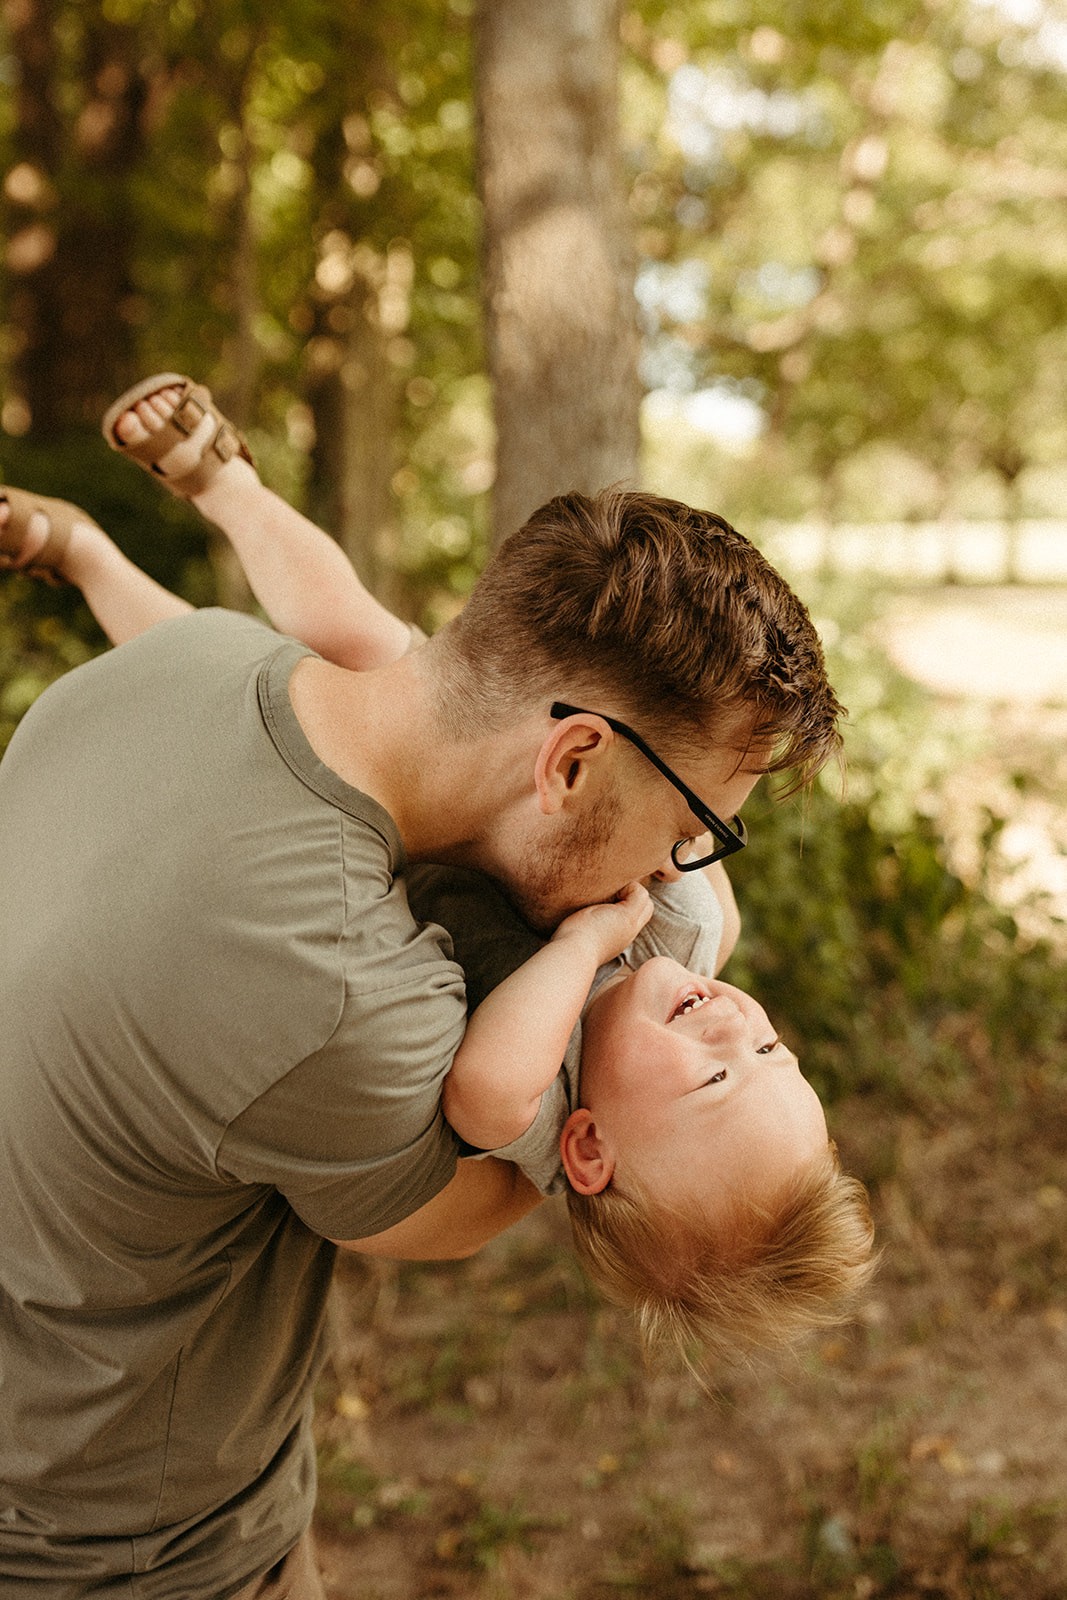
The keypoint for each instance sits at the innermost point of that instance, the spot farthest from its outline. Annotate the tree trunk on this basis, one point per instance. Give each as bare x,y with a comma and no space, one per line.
561,320
243,358
1008,462
69,251
359,303
354,400
370,419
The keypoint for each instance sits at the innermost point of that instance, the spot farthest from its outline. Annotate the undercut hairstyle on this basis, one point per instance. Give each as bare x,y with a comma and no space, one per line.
652,611
760,1279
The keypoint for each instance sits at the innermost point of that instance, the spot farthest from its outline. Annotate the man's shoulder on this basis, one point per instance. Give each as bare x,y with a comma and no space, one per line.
201,643
194,662
211,627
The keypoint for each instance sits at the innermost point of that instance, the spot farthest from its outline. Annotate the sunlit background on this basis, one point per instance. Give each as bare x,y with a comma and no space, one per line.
803,262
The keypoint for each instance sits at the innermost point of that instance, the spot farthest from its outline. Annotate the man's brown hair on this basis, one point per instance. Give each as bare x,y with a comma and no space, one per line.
755,1280
663,614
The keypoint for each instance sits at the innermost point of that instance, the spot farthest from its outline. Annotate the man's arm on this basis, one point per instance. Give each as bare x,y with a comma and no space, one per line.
480,1201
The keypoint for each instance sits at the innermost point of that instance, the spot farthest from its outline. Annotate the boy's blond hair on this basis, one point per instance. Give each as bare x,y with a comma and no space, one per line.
761,1278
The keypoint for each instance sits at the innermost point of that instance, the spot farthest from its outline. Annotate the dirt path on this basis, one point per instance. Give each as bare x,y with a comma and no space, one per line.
509,1443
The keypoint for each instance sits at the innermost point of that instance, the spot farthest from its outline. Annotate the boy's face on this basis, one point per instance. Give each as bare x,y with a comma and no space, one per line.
691,1093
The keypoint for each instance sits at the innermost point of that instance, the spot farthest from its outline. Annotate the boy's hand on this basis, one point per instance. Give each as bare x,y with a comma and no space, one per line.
608,929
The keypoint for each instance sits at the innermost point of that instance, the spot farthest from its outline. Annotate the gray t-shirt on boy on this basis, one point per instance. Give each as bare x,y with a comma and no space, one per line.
224,1037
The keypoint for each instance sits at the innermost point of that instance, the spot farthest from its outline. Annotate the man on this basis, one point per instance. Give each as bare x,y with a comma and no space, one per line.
225,1033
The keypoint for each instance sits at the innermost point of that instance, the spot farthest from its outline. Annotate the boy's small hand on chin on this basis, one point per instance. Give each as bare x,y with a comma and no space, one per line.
607,929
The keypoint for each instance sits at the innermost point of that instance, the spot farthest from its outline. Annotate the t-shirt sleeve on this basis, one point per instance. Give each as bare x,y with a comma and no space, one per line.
353,1135
536,1151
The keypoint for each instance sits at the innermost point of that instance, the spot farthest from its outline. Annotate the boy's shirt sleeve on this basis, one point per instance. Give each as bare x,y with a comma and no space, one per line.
686,925
536,1152
490,940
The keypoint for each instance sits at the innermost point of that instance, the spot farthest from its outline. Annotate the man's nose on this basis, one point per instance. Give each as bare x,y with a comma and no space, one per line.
667,873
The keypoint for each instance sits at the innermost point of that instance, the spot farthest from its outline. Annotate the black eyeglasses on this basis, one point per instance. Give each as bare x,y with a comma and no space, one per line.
731,835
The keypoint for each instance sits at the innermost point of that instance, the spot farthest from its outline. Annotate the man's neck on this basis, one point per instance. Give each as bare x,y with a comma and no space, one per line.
381,733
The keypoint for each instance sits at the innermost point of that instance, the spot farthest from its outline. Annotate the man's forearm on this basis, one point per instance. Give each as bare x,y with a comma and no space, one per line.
481,1200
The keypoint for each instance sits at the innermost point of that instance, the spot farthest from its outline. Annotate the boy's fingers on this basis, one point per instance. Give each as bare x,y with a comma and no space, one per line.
638,900
641,897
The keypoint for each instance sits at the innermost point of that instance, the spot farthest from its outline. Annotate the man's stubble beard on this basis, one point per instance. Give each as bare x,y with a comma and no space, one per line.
538,889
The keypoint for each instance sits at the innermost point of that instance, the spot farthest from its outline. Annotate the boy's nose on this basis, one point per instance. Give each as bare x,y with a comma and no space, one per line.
723,1021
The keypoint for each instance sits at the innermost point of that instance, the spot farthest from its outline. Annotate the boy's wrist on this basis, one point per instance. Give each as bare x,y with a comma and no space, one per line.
583,943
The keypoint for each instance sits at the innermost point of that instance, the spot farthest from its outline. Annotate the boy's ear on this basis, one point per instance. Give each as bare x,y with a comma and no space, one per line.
566,758
587,1159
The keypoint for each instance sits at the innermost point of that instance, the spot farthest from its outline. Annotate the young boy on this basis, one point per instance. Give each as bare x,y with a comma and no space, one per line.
701,1185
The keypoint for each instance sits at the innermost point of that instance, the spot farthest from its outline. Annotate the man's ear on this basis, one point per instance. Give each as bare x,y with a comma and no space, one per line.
587,1158
566,758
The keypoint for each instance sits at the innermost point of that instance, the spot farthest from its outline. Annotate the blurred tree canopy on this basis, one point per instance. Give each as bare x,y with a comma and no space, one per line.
847,215
843,216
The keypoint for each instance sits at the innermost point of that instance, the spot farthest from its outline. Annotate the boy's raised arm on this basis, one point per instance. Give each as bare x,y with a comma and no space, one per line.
516,1039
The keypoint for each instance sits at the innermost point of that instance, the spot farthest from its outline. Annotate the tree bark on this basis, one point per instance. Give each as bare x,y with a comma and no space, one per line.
353,396
561,324
352,385
244,361
68,254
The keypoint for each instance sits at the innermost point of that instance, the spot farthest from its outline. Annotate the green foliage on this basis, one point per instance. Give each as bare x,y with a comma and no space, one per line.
481,1534
840,210
156,530
35,649
865,942
44,631
855,201
352,1496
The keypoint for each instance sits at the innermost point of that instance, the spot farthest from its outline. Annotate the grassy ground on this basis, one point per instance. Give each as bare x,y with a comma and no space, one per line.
489,1429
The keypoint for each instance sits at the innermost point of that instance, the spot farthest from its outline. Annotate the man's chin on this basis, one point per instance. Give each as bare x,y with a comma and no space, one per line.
537,910
539,915
573,865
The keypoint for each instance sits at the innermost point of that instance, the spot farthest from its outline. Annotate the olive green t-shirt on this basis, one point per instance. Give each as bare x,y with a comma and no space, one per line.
223,1037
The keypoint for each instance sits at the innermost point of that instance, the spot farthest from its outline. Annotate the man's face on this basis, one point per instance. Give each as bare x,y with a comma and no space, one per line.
623,834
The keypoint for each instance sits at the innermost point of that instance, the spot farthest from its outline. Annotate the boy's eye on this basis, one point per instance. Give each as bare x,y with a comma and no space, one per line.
720,1077
765,1049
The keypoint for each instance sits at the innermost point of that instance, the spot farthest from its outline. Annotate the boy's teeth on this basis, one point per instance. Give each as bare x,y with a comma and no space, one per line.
692,1002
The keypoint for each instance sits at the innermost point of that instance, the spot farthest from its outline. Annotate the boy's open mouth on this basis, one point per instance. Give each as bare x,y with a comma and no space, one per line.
689,1003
